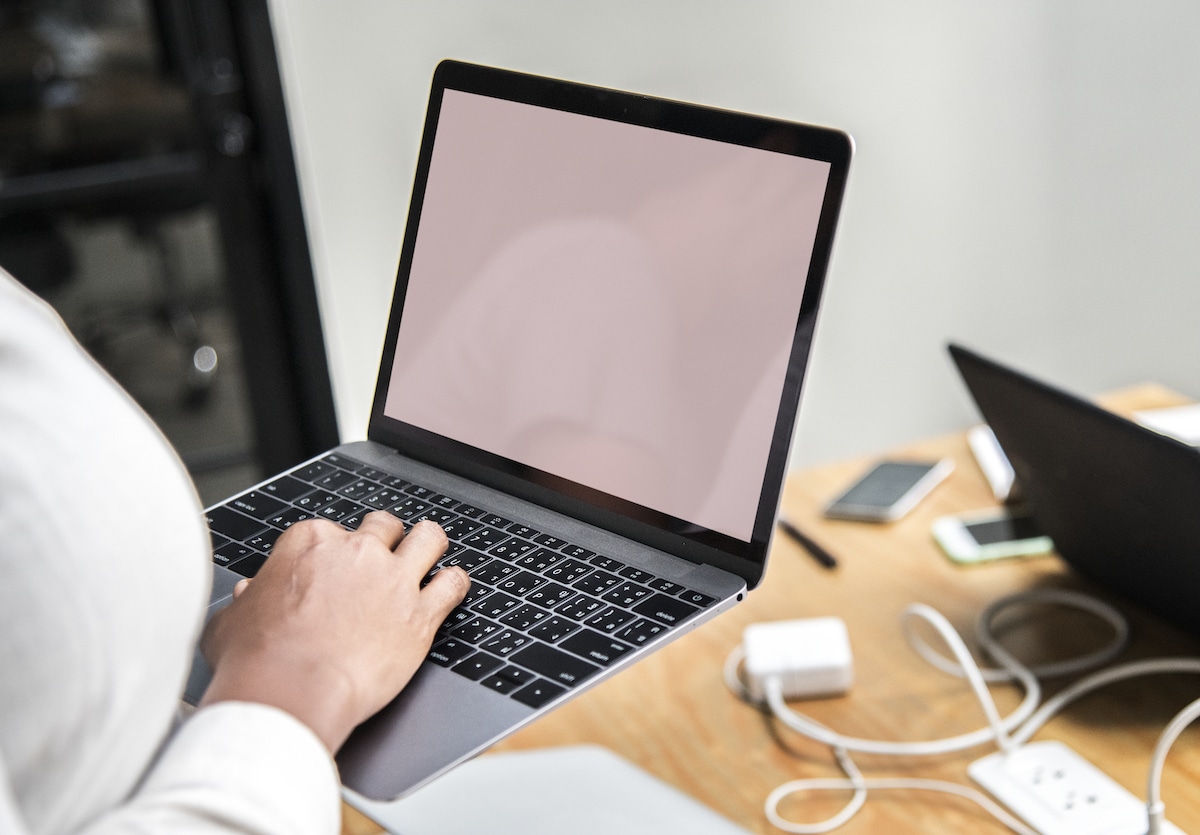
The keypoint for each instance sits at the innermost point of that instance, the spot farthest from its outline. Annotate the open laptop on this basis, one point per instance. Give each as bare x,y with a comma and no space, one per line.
1120,501
601,322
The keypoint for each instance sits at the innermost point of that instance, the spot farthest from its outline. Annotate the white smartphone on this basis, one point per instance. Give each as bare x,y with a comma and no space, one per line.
889,490
990,535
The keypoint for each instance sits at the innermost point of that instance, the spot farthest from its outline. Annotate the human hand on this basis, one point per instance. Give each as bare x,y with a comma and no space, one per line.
335,624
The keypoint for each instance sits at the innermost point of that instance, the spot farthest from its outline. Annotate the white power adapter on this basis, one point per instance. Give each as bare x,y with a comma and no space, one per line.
811,657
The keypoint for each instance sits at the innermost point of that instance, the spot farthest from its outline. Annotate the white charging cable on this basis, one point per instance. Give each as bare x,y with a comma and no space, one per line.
1154,805
1009,732
997,730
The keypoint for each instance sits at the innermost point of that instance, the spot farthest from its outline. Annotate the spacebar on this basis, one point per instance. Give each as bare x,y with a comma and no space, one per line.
554,664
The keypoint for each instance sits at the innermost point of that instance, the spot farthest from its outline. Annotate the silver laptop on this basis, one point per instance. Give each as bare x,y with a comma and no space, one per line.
602,316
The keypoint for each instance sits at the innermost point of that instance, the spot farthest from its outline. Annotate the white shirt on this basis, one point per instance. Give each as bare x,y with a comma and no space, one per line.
104,577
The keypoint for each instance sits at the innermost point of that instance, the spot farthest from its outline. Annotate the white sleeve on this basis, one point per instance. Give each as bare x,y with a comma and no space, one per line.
232,767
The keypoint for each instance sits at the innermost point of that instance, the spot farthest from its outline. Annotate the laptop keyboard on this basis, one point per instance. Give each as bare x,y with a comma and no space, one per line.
542,615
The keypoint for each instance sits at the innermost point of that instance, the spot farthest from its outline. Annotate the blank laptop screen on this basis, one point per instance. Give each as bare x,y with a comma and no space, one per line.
608,303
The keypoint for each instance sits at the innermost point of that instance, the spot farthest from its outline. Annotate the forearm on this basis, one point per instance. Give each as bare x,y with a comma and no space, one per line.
318,695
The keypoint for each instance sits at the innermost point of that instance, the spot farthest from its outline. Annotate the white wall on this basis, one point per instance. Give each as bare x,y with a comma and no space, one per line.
1027,177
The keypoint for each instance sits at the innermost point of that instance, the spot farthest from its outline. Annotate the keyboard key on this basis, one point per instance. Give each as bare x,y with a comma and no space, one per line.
696,598
232,524
466,558
460,527
352,521
610,620
335,480
384,498
315,470
641,631
316,500
475,630
550,595
637,575
346,463
499,684
493,572
554,664
627,594
567,571
538,693
476,592
549,541
459,615
230,553
495,605
505,642
289,517
516,675
444,502
665,586
668,610
264,541
484,538
360,489
580,606
418,491
524,616
511,549
607,563
595,647
495,520
339,510
433,514
576,551
520,583
450,651
523,531
256,504
553,629
477,666
286,488
249,566
538,560
598,582
408,508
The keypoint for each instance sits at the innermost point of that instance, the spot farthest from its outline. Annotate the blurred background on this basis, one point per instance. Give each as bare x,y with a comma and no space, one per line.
213,193
1026,178
148,191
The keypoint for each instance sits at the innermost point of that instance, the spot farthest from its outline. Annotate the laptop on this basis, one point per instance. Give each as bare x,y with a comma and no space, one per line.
1119,500
602,316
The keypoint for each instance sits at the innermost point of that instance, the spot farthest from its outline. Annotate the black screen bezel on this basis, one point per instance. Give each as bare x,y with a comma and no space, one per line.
654,528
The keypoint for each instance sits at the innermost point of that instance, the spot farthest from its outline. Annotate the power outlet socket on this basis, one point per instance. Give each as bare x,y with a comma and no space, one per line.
1058,792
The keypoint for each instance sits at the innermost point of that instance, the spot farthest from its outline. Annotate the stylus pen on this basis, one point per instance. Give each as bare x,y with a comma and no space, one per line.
819,554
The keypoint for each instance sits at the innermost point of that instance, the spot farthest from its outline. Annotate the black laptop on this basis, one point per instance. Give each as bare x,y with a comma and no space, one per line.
1120,501
600,327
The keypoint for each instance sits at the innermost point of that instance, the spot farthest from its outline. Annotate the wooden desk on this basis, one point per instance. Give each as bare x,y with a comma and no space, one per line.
672,715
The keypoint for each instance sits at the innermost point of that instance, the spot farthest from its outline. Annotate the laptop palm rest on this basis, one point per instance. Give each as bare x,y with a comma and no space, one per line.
441,723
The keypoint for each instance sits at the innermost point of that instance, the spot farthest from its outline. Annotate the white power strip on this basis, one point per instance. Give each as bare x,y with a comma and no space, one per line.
1058,792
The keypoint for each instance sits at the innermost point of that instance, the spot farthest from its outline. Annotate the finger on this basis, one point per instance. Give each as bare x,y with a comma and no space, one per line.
384,527
241,586
423,545
445,591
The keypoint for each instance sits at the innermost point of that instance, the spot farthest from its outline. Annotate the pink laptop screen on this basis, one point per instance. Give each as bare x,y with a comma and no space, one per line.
608,303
